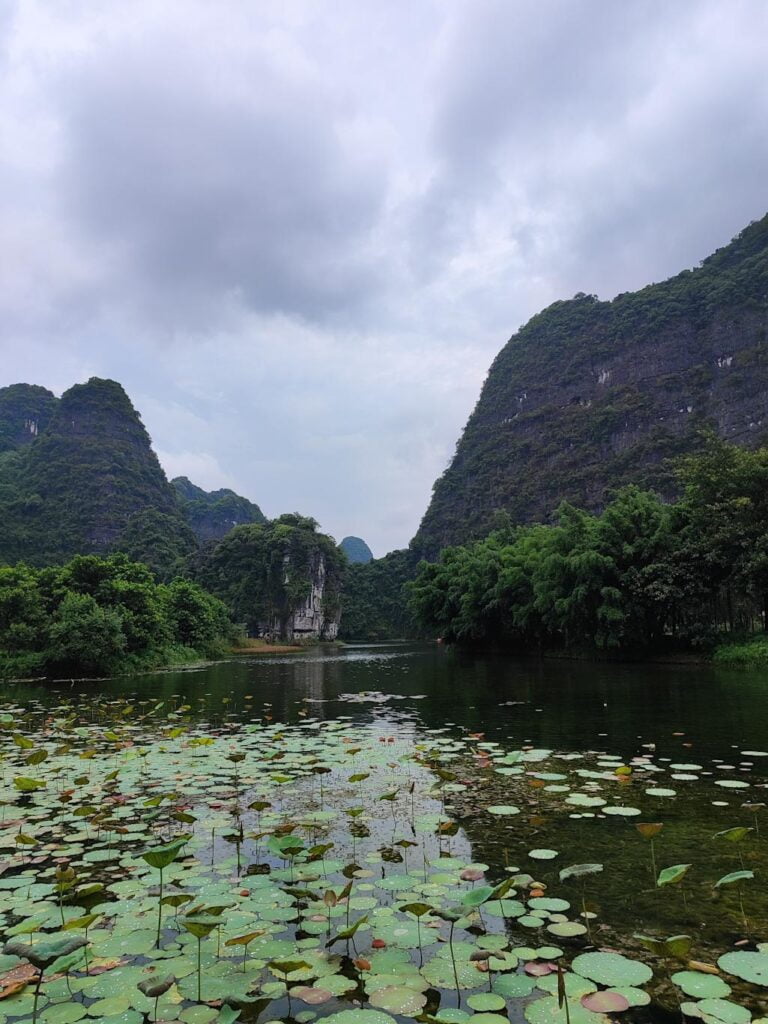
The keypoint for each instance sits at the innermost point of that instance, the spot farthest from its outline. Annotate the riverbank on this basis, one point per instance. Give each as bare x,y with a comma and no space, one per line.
751,651
253,646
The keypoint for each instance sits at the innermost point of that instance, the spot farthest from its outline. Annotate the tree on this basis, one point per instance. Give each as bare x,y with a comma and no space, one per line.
85,636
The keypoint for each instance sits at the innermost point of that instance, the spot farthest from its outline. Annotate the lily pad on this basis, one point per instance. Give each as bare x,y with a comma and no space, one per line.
752,967
612,969
700,985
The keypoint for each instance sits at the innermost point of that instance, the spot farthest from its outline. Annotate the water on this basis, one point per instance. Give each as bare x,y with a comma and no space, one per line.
559,704
685,729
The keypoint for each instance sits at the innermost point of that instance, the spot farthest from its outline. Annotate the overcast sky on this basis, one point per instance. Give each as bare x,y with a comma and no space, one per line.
298,233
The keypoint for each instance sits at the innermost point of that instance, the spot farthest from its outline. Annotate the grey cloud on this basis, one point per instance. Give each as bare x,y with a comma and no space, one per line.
299,233
217,188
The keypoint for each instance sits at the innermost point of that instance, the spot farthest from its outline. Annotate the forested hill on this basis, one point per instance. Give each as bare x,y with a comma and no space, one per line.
591,395
212,514
86,482
25,411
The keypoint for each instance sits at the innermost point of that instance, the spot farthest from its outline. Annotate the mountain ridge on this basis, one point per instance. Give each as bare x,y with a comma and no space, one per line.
78,475
590,395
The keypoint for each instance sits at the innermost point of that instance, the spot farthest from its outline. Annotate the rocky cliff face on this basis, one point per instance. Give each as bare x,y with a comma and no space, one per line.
311,619
591,395
281,579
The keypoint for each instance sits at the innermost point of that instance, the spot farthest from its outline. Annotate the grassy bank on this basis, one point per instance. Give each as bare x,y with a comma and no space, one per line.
170,656
253,646
748,651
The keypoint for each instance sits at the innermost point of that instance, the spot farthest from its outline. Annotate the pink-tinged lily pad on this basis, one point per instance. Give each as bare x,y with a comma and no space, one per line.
605,1002
538,968
471,875
311,995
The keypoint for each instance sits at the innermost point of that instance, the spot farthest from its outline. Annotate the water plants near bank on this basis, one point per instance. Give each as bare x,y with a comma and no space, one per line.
163,865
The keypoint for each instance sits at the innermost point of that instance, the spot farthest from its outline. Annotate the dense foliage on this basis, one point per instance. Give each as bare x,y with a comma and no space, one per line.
25,412
264,572
212,514
641,575
374,603
592,395
99,616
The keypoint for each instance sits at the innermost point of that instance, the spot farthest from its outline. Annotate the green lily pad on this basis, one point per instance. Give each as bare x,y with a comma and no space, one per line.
567,929
548,1011
61,1013
399,999
612,969
752,967
724,1010
486,1001
701,986
360,1017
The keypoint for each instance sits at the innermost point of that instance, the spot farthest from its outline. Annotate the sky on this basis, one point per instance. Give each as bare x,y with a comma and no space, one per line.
299,232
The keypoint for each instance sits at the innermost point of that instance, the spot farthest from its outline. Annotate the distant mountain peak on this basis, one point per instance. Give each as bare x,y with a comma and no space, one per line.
356,550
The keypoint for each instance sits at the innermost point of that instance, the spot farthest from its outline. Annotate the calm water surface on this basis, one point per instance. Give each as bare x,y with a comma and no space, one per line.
703,733
557,704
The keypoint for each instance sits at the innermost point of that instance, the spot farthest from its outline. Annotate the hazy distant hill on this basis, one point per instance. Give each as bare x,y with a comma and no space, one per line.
589,395
356,550
212,514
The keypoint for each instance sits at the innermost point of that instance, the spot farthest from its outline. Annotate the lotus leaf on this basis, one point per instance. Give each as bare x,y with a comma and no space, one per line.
752,967
612,969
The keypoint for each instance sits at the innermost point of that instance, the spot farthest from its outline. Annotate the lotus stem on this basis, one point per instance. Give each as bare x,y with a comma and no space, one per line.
453,961
159,911
37,994
743,914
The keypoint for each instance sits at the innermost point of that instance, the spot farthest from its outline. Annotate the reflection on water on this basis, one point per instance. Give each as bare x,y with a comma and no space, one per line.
698,727
557,704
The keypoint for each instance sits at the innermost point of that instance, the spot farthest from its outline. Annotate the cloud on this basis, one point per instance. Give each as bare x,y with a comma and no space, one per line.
298,234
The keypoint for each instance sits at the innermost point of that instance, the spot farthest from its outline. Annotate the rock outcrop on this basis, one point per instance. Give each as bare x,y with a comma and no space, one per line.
311,618
281,579
25,412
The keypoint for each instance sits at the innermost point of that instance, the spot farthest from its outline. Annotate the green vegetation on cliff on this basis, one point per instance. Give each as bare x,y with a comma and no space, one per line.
77,487
266,573
25,412
589,396
641,576
374,603
102,616
212,514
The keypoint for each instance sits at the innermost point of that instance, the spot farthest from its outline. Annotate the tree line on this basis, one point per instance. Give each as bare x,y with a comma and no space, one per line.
643,575
100,616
